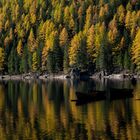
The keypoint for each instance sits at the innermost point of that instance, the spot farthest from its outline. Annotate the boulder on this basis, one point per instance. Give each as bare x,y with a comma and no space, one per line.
75,74
5,77
16,77
43,77
96,75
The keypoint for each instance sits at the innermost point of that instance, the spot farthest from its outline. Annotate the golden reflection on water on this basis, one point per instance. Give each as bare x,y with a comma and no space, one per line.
43,110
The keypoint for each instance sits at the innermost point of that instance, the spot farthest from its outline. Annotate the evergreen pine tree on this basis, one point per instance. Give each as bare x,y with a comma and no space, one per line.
126,61
63,41
51,62
11,62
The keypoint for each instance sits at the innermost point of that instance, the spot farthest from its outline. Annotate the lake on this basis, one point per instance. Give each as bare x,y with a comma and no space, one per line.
43,110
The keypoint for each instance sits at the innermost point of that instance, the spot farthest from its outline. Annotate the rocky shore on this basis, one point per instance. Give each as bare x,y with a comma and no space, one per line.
72,75
31,77
119,76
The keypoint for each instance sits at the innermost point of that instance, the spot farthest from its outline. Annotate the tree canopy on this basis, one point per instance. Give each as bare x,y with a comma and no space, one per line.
56,35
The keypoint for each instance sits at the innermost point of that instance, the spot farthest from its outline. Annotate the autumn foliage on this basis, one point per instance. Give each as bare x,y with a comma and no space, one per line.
57,35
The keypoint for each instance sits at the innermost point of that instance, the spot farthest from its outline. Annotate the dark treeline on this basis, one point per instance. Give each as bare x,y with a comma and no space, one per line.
56,35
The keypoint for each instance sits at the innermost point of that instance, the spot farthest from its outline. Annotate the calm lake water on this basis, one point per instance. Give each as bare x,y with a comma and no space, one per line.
37,110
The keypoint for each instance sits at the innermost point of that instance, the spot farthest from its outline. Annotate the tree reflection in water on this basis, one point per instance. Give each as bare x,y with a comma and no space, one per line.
43,110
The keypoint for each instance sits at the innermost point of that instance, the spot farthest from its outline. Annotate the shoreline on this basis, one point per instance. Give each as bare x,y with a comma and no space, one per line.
31,77
64,77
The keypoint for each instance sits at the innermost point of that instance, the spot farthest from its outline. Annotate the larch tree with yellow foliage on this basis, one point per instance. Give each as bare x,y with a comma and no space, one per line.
136,50
34,62
2,59
20,48
78,52
91,48
32,43
89,16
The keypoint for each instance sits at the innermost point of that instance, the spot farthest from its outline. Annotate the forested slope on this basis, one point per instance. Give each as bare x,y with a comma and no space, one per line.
56,35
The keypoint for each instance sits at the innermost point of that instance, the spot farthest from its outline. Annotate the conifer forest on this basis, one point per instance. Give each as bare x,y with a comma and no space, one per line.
57,35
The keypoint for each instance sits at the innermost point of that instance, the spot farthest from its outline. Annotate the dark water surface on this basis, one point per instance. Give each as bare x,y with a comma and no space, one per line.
39,110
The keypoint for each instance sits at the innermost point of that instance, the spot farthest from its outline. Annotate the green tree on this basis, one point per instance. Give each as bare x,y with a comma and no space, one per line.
103,52
127,61
11,62
24,61
63,41
51,62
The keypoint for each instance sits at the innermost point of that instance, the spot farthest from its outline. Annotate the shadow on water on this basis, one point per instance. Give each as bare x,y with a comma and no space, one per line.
43,110
104,90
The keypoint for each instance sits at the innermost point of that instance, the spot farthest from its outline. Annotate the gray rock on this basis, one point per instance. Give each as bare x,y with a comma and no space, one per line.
116,76
6,77
75,74
43,77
